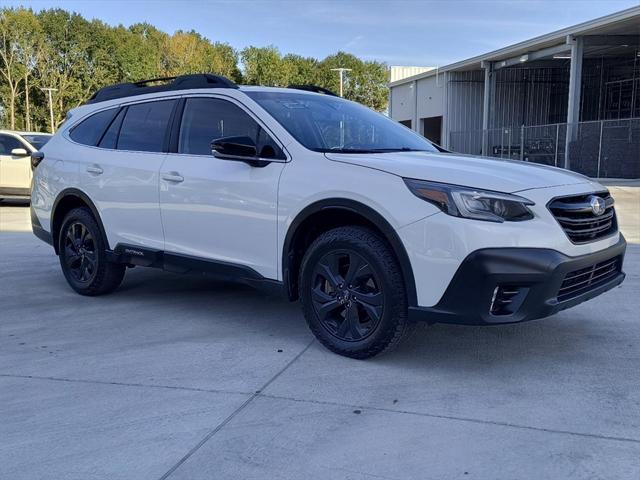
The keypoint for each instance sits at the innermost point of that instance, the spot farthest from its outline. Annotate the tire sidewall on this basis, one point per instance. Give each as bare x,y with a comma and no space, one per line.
83,216
394,308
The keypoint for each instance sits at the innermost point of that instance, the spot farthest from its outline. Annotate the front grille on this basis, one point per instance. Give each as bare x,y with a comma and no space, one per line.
580,281
580,223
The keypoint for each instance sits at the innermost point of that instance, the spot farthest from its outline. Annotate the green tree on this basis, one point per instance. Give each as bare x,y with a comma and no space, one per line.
300,70
58,49
263,66
29,43
140,54
366,83
11,66
67,63
189,52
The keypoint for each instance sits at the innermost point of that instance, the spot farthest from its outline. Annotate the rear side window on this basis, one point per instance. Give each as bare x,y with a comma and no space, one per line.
144,127
207,119
89,131
110,137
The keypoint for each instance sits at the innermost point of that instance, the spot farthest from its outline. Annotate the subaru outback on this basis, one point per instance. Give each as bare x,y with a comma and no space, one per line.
365,222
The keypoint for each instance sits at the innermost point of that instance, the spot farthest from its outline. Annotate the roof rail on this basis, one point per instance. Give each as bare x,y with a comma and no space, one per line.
182,82
313,88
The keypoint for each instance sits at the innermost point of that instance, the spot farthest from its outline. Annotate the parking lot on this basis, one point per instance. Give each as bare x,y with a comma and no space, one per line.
183,377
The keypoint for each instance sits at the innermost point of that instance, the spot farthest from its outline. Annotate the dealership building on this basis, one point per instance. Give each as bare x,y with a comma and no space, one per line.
570,98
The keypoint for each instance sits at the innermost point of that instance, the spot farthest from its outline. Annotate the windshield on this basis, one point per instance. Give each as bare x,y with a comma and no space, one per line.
37,141
325,123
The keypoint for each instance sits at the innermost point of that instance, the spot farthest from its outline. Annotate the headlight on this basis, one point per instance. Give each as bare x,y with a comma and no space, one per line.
471,203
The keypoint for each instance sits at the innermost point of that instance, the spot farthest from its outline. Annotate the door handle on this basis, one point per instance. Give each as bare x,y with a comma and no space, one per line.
95,169
173,177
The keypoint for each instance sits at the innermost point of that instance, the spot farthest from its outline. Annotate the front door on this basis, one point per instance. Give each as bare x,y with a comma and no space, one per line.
215,209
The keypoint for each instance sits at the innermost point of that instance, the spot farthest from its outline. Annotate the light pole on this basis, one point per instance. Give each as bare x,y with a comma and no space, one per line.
50,90
341,71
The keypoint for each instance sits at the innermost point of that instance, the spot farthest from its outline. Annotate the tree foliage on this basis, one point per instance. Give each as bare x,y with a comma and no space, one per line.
62,50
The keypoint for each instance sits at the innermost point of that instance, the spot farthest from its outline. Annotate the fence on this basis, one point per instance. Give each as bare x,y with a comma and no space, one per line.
602,148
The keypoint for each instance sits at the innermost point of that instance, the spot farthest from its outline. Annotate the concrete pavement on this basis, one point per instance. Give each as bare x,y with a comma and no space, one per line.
182,377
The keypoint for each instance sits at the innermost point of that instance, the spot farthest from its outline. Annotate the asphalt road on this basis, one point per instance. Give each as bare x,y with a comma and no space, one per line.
182,377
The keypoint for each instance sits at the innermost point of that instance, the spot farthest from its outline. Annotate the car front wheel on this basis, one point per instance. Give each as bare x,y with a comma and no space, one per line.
353,294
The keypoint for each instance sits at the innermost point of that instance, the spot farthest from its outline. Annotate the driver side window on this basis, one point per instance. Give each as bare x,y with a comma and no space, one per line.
207,119
8,143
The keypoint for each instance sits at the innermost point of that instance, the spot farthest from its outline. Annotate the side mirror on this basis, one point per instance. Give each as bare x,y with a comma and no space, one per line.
19,152
240,148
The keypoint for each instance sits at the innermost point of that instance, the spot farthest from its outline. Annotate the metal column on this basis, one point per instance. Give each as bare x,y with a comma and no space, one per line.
575,88
489,89
414,123
446,129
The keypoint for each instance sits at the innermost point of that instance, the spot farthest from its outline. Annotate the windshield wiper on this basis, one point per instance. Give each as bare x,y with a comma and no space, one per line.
373,150
400,149
350,150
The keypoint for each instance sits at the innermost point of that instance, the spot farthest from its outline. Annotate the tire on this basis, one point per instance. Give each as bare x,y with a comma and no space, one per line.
83,255
353,294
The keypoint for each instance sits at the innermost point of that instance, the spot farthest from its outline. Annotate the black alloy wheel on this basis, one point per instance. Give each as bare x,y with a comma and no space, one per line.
347,295
83,255
353,293
80,253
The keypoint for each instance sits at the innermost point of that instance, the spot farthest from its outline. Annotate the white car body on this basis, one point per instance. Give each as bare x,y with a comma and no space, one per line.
230,212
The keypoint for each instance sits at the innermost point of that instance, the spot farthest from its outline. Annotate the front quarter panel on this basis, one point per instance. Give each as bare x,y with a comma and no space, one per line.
311,178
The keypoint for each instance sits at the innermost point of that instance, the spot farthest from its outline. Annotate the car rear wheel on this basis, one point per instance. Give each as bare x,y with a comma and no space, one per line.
353,294
83,255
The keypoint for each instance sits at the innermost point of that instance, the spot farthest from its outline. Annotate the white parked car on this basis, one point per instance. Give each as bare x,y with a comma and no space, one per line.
365,222
15,161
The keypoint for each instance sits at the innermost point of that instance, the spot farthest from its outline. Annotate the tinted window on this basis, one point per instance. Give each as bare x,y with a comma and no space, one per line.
144,126
110,137
207,119
89,131
329,124
38,141
8,143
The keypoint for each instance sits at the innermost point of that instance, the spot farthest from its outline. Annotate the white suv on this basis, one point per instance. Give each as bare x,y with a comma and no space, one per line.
367,223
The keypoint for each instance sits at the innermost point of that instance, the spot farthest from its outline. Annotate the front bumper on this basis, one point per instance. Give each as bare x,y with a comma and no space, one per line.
536,274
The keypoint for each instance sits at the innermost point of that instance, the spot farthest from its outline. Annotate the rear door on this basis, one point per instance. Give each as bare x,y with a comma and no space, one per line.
218,209
15,170
120,174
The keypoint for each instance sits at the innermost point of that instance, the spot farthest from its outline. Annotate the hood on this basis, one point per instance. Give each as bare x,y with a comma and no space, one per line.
479,172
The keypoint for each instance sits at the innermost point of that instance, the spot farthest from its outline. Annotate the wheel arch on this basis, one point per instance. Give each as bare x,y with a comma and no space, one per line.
67,200
331,213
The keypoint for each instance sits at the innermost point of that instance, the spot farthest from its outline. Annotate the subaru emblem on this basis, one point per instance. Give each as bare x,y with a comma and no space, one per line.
598,205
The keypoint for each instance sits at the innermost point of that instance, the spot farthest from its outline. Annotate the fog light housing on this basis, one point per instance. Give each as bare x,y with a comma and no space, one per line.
507,299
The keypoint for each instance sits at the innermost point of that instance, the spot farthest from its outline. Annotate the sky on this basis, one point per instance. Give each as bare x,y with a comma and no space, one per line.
418,32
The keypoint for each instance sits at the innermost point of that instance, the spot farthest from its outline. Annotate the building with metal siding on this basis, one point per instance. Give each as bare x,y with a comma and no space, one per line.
570,98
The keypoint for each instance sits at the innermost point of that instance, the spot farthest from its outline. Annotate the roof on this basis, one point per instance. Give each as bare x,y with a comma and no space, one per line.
624,22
